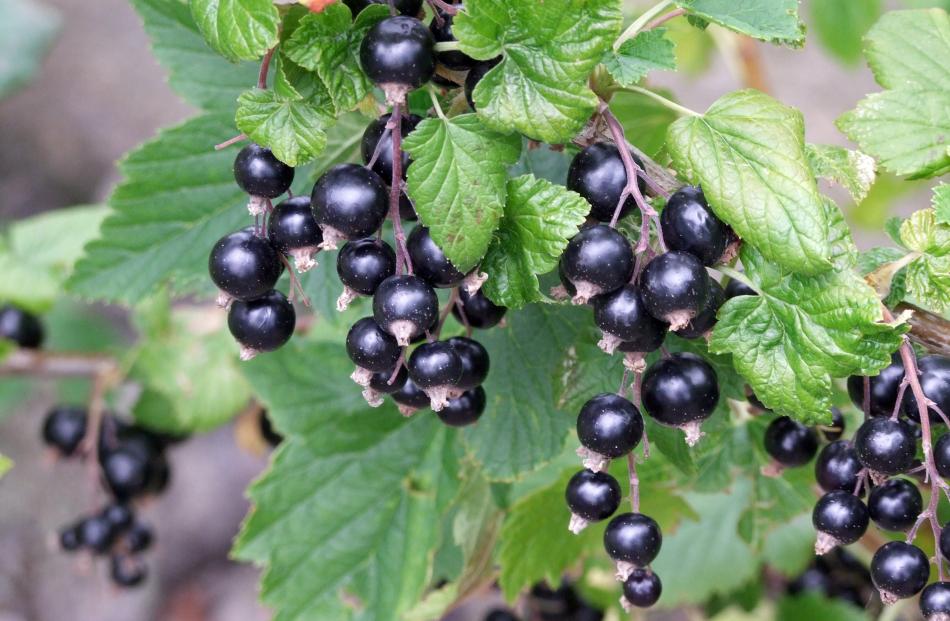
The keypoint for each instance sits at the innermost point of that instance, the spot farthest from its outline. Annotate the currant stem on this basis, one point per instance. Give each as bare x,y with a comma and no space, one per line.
402,254
639,23
662,19
453,298
227,143
634,482
866,399
265,66
435,103
447,46
672,105
294,282
463,317
444,6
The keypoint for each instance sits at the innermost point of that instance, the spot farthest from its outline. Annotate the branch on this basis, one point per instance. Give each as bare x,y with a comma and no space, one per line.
50,364
929,330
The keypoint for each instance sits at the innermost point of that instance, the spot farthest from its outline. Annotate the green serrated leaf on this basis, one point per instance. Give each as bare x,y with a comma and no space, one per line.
841,25
294,129
748,153
645,121
238,29
870,260
27,29
457,183
549,48
921,233
646,52
928,275
540,218
775,20
941,203
852,170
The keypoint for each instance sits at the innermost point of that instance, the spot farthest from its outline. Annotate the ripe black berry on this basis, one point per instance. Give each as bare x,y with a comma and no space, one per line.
262,324
475,361
642,588
941,454
293,230
405,306
840,518
64,428
376,131
349,202
435,368
690,225
736,288
633,538
119,515
127,571
364,263
789,442
899,570
885,446
883,388
442,32
835,430
410,397
935,602
243,265
944,541
704,321
475,75
397,55
21,327
609,426
837,467
895,505
501,615
405,7
138,538
126,471
623,317
597,260
681,391
70,538
935,381
675,287
96,534
259,173
597,174
372,348
465,409
479,312
429,261
593,496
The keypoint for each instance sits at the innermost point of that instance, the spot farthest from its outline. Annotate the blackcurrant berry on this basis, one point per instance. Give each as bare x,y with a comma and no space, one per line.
349,202
633,538
609,426
126,471
127,571
675,287
372,348
363,264
475,75
941,454
64,428
704,321
263,324
96,534
477,310
376,131
883,388
642,588
835,430
119,515
681,391
429,261
935,381
380,381
435,368
501,615
475,361
442,32
735,288
944,541
885,446
404,7
597,260
837,467
410,397
895,505
593,496
21,327
899,570
70,538
243,265
259,173
790,443
397,55
268,433
597,174
405,306
293,230
623,317
840,518
812,580
935,602
465,409
689,225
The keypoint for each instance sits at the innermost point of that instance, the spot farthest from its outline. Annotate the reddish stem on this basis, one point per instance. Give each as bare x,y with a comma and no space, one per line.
634,482
265,65
453,297
227,143
451,9
662,19
395,126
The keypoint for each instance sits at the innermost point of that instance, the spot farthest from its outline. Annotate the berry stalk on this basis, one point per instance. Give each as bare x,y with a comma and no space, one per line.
395,128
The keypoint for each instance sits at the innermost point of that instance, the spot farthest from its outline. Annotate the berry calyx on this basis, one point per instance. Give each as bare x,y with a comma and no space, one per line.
371,349
597,173
477,310
410,398
895,505
442,32
735,288
405,7
899,570
681,391
597,260
935,382
465,409
127,571
941,453
675,288
840,518
259,173
397,55
475,361
885,446
406,307
293,230
428,260
349,202
244,266
263,324
608,426
64,428
689,225
633,538
370,145
935,602
475,75
623,318
838,467
705,319
362,265
592,497
790,443
21,327
883,388
435,368
642,588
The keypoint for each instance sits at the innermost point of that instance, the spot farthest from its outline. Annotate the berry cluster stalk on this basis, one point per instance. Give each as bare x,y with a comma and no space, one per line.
395,189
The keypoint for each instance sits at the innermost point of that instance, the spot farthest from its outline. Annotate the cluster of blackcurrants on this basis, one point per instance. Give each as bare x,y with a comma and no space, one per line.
131,466
544,603
839,575
21,327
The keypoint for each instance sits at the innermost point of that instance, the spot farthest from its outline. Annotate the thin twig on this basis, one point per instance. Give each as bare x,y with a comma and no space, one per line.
662,19
294,282
402,254
227,143
634,482
453,296
265,65
444,6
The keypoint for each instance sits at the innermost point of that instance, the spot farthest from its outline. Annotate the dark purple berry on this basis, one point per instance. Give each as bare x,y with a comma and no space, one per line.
935,602
837,467
609,425
735,288
597,260
96,534
127,571
64,428
465,409
363,264
376,131
703,322
895,505
642,588
479,312
633,538
428,260
597,173
835,430
442,32
411,397
372,348
349,202
899,570
841,517
883,388
689,225
405,306
262,324
790,443
380,381
293,230
138,538
397,55
475,361
675,288
594,496
935,382
680,391
623,316
126,471
119,515
435,368
941,454
21,327
70,538
259,173
885,446
243,265
475,76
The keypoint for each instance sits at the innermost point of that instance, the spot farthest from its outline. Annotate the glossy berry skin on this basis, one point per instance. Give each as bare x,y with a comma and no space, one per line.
623,314
380,381
944,541
350,199
689,225
633,538
895,505
96,534
126,471
790,443
837,467
404,7
138,538
900,569
411,396
675,287
642,588
593,496
935,382
435,364
371,347
475,75
941,454
243,265
835,430
364,263
64,429
127,571
842,516
885,446
293,226
442,32
263,324
705,320
398,52
597,174
429,262
375,131
883,388
475,361
465,409
405,306
21,327
609,425
70,539
480,312
259,173
935,601
735,288
680,389
119,515
598,260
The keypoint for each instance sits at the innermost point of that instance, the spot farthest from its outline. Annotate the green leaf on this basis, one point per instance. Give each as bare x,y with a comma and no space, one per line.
748,153
238,29
907,49
549,49
457,183
928,275
852,170
791,547
540,218
775,20
816,606
645,121
873,258
941,203
646,52
27,29
841,24
294,129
